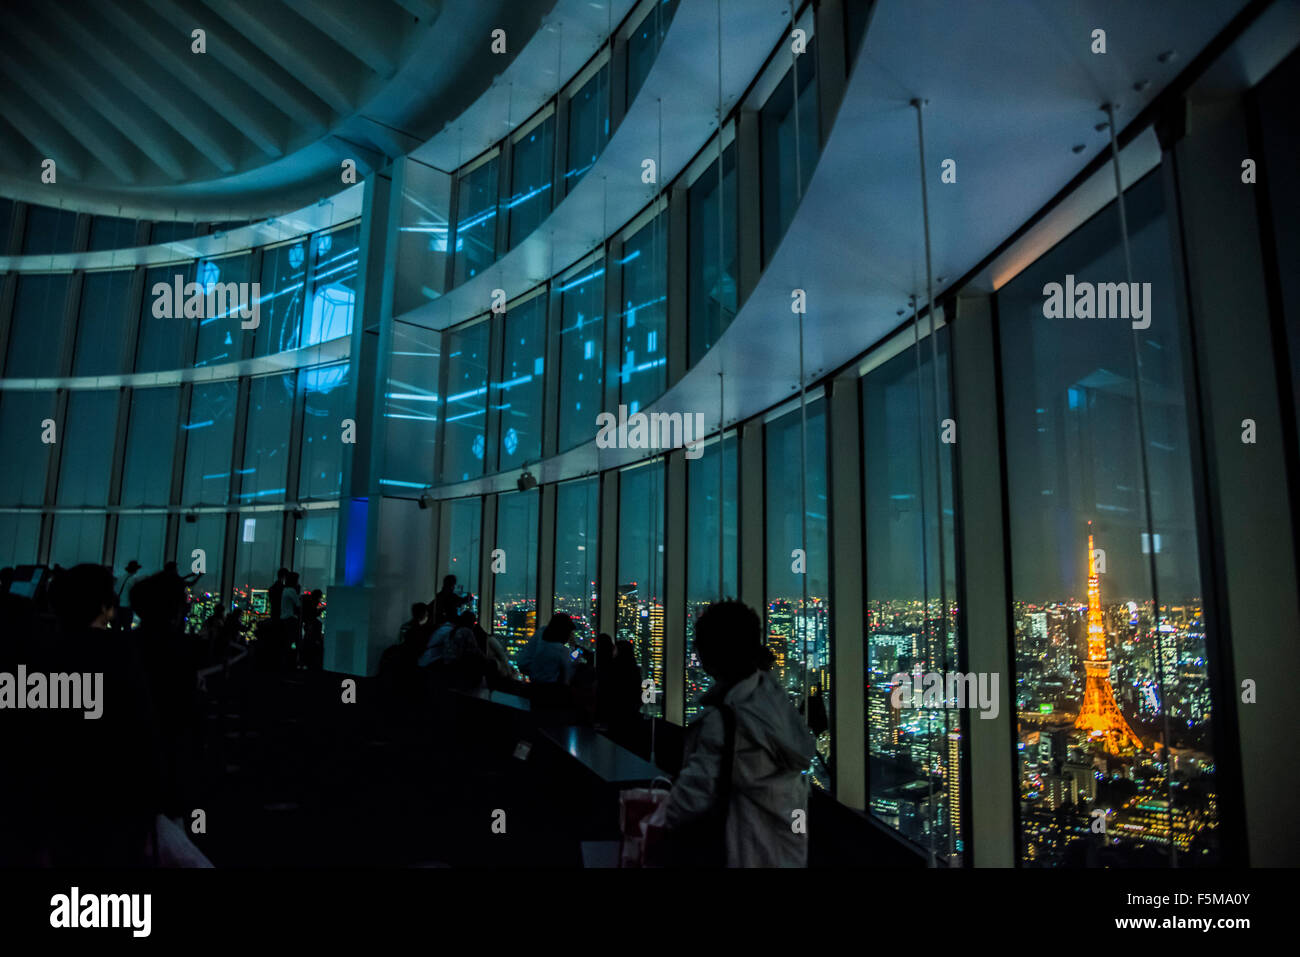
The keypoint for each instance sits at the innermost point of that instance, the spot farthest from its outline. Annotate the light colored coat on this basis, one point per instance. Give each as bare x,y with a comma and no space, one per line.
774,749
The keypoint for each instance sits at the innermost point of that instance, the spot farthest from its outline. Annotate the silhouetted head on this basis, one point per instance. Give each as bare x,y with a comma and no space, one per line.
82,597
419,612
729,641
132,567
159,600
449,583
604,649
560,628
282,575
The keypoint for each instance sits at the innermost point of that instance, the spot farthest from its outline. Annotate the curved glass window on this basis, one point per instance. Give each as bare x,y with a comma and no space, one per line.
712,496
1106,598
209,441
88,435
139,537
712,254
532,166
162,339
325,405
23,420
518,396
476,221
102,328
643,373
643,45
36,327
787,156
147,467
464,518
224,285
582,354
283,287
798,586
335,258
577,525
266,438
588,126
639,612
464,443
514,590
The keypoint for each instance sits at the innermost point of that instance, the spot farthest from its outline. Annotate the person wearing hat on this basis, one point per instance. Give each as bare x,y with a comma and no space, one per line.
123,617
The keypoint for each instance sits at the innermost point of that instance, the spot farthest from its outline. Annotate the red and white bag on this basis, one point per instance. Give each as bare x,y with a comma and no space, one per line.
635,807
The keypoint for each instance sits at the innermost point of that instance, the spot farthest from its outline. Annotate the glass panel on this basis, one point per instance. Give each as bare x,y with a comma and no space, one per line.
284,275
102,329
36,329
465,525
798,606
77,539
518,396
643,45
206,534
266,441
20,535
577,525
170,232
476,223
423,236
782,169
532,165
913,753
88,435
209,443
162,339
643,373
22,423
582,355
325,406
411,410
514,591
334,286
588,126
220,328
712,272
1112,651
110,232
314,546
49,230
465,409
150,445
257,559
710,545
639,613
140,538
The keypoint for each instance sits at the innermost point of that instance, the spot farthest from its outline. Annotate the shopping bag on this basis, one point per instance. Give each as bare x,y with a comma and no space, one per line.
635,807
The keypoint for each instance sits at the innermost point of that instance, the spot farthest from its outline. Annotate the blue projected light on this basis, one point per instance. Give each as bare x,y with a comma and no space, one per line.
511,441
296,255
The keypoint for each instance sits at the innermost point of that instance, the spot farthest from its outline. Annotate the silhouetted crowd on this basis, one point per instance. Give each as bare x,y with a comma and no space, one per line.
444,647
113,790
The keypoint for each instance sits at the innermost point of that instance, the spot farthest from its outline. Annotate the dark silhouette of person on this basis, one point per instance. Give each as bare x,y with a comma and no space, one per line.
313,633
447,604
103,774
275,592
746,754
172,673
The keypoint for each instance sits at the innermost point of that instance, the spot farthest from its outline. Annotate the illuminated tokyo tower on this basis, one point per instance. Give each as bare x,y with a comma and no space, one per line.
1100,715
